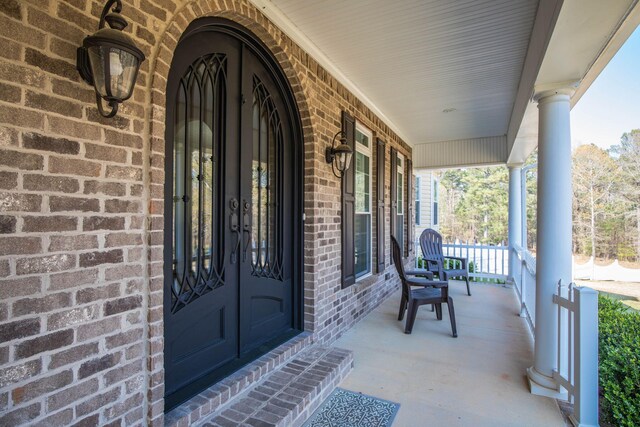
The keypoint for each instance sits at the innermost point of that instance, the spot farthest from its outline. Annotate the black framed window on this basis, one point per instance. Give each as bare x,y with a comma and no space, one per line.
400,194
363,211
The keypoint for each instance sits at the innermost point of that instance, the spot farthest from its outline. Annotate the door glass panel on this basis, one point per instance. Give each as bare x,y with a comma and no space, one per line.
197,197
266,184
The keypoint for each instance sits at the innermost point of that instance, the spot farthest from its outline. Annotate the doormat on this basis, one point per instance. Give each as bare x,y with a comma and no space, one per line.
346,408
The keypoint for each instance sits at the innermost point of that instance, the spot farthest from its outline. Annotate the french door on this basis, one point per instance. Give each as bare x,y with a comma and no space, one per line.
231,237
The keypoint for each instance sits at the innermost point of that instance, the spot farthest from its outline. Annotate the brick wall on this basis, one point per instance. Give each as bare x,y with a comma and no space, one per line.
81,226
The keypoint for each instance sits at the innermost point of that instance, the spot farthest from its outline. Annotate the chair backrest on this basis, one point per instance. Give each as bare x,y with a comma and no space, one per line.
431,245
397,261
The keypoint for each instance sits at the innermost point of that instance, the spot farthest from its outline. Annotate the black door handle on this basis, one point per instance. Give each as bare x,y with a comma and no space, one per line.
246,227
233,225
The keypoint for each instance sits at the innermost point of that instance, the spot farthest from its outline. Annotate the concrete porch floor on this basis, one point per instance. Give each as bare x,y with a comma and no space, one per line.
477,379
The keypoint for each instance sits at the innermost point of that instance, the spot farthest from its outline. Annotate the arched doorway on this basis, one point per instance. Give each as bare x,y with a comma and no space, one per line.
233,207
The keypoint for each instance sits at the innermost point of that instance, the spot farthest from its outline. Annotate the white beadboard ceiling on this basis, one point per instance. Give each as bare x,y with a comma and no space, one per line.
413,59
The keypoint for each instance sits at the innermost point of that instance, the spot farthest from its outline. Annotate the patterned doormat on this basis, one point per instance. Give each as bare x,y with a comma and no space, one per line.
344,408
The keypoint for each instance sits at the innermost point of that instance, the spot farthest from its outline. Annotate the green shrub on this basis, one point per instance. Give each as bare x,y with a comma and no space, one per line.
619,353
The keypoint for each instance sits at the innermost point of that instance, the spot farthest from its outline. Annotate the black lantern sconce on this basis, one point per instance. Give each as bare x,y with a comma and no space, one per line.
109,60
340,156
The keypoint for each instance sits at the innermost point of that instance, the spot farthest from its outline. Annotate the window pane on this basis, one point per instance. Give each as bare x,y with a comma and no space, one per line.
266,232
363,244
363,177
362,138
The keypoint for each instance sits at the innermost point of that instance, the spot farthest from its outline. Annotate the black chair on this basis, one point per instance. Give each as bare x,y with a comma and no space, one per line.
431,292
431,245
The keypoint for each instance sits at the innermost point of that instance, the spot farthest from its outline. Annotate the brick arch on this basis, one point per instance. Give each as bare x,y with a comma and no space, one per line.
160,61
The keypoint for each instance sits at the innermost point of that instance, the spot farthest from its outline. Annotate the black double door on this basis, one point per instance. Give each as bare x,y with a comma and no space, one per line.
229,212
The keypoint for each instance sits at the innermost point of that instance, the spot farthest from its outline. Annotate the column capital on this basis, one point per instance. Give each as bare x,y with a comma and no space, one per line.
549,89
515,165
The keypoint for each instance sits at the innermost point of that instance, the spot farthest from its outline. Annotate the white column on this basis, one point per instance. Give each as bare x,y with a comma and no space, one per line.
553,258
515,218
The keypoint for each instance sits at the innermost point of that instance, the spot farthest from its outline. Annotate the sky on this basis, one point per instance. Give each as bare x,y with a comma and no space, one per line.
611,106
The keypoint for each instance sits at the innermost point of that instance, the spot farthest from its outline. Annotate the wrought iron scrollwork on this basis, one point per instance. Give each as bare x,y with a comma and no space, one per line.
267,238
198,204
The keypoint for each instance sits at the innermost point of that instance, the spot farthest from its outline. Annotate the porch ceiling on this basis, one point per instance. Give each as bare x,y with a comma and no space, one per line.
413,59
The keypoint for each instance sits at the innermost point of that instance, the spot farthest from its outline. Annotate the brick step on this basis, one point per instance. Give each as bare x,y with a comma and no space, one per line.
290,394
210,400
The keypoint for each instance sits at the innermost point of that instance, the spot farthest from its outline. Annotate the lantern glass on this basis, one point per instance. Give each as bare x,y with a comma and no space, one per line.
114,71
343,159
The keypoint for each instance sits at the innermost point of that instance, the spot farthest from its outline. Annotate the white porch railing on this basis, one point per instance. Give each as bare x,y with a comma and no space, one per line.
578,350
524,283
485,261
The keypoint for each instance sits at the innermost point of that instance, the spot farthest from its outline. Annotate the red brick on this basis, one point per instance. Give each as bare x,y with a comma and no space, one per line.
20,416
21,33
94,366
51,25
43,224
72,394
73,279
123,239
8,180
36,141
73,242
89,294
107,153
74,129
46,264
51,183
124,173
41,305
18,160
97,258
7,224
107,188
10,93
75,316
19,329
102,223
18,202
11,288
42,386
57,105
74,167
19,372
28,348
20,245
122,206
11,8
122,139
27,77
73,355
70,204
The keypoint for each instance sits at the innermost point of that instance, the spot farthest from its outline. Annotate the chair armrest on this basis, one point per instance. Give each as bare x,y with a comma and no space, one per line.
420,272
464,261
427,283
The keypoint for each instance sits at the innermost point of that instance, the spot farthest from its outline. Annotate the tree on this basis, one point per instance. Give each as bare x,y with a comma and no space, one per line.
475,204
593,178
628,153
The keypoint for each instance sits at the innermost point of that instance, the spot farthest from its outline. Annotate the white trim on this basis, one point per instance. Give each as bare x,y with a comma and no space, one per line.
418,200
400,171
276,16
367,152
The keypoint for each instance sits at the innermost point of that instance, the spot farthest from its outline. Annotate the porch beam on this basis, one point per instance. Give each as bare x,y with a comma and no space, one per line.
553,261
487,151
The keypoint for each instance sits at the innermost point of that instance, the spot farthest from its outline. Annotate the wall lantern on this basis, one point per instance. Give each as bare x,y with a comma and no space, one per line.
340,156
109,59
